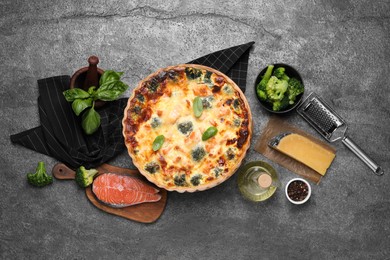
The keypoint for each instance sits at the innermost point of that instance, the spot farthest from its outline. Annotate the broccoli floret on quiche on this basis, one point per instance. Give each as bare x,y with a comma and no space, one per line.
140,97
136,110
230,154
152,85
180,180
152,167
217,171
236,122
198,153
185,127
207,102
207,77
236,104
195,180
193,73
227,89
155,122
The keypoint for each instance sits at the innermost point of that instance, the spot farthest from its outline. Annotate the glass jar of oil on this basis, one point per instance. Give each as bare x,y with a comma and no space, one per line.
257,181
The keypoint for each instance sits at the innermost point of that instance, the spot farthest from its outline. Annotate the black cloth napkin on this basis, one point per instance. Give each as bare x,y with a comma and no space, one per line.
233,62
60,134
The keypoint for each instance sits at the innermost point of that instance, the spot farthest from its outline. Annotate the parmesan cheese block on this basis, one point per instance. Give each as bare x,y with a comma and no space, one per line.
303,150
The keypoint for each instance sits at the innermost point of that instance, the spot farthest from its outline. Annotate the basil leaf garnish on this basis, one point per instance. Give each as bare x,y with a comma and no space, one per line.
158,142
197,107
210,132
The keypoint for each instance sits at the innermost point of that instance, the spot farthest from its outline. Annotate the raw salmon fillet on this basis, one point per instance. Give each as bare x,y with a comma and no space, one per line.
122,191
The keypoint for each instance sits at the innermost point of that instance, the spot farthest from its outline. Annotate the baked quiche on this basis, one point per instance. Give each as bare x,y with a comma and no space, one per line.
187,127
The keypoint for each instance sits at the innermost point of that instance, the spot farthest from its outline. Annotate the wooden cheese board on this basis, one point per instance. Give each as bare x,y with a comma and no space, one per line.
145,213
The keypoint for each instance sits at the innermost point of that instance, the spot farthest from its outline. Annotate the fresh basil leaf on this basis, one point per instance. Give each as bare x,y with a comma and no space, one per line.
109,75
197,106
110,91
79,105
158,142
210,132
91,90
75,93
90,121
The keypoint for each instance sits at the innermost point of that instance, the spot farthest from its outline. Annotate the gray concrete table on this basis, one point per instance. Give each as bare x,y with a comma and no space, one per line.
341,49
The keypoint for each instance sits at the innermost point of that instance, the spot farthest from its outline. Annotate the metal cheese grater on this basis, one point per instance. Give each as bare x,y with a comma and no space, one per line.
332,127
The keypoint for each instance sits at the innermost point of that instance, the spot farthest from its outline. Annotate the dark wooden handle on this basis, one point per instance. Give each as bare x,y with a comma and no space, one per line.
93,60
62,172
92,77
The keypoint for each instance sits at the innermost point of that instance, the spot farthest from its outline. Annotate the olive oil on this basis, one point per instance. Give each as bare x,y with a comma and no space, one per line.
257,181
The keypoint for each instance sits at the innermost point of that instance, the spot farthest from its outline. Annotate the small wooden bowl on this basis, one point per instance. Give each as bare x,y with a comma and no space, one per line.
78,78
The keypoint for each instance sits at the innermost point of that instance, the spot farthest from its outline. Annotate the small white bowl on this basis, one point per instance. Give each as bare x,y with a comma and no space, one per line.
308,194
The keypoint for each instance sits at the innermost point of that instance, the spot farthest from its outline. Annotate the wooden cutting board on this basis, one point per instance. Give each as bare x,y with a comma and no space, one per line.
274,127
145,213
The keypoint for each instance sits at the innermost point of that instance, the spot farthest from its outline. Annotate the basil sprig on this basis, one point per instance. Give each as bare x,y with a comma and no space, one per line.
111,87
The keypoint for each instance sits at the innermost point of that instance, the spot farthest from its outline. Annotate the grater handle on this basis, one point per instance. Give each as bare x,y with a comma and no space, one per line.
363,156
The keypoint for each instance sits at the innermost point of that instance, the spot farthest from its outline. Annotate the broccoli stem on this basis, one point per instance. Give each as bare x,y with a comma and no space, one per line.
41,168
268,73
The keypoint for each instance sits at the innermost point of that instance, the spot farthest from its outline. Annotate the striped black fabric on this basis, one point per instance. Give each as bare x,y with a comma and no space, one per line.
60,134
232,61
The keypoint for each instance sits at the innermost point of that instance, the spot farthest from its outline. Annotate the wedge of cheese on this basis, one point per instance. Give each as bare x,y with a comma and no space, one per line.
303,150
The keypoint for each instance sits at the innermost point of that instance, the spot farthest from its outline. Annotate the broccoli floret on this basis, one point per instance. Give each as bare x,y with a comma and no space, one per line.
206,102
280,73
261,87
261,94
280,104
152,85
40,177
207,77
276,88
180,180
185,127
237,122
227,89
198,153
217,171
155,122
152,167
140,97
267,75
230,154
195,180
84,177
295,88
193,73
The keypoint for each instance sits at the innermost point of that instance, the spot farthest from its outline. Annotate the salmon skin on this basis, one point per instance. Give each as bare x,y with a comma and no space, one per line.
121,191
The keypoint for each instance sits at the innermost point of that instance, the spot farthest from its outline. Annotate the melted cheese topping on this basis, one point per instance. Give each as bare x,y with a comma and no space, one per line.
184,159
